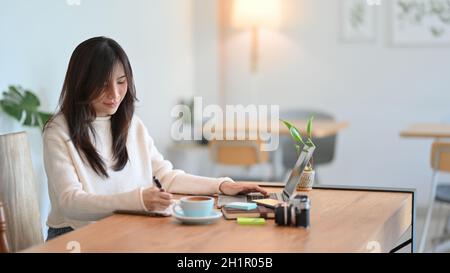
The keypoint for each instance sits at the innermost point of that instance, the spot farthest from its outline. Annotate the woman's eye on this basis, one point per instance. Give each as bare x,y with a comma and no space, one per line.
122,82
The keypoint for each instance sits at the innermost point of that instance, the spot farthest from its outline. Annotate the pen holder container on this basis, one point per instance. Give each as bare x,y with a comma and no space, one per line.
306,180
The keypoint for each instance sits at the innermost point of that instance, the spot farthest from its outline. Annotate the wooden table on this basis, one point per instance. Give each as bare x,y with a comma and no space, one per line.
320,128
342,220
427,130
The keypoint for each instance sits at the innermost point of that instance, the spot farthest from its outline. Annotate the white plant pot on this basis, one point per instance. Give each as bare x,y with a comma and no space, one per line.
306,181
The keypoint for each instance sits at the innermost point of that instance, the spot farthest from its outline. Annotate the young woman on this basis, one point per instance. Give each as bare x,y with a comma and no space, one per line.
98,155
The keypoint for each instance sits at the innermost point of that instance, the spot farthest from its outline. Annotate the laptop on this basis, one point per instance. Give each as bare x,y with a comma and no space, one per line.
289,188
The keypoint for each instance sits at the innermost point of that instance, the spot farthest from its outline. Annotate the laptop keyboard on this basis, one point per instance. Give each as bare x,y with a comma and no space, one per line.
273,195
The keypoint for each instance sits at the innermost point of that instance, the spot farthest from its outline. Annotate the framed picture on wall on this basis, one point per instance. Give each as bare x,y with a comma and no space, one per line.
358,21
420,22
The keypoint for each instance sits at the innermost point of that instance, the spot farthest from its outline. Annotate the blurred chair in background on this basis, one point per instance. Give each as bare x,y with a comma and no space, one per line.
4,244
440,193
18,192
238,153
324,152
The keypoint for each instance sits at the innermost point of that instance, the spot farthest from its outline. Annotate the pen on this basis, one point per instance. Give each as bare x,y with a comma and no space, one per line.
158,184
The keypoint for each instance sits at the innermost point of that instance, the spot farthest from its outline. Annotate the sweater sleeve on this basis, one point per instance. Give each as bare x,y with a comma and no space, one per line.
177,181
74,201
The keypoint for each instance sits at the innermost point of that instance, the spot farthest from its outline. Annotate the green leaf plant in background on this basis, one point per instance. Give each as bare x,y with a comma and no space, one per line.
23,105
299,140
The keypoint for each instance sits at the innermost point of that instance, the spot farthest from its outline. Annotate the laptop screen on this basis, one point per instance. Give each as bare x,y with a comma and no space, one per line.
294,177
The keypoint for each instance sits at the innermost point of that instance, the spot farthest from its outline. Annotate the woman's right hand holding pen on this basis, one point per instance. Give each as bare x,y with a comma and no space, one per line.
155,199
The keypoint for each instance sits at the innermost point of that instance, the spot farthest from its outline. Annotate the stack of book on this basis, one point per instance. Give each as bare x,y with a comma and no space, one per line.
259,212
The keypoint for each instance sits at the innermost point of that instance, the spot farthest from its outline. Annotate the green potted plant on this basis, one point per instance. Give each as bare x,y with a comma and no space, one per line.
23,105
307,145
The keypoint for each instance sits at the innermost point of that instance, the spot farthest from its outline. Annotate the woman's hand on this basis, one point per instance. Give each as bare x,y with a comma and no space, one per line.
231,188
154,199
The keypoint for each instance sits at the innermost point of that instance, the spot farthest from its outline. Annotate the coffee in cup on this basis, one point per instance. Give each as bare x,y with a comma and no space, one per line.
195,206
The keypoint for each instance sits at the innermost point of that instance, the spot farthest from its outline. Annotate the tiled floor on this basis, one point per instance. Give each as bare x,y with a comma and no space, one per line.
436,229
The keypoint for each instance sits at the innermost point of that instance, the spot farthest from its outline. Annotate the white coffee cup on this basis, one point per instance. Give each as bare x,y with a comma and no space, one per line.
195,206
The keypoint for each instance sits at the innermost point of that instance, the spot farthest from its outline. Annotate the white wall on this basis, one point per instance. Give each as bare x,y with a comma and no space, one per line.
206,50
377,88
38,38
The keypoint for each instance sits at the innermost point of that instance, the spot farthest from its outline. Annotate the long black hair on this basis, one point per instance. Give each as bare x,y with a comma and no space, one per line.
90,66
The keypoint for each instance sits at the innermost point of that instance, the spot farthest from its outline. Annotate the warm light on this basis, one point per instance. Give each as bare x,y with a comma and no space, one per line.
256,13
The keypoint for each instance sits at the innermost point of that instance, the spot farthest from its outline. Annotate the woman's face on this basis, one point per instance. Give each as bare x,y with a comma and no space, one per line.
113,93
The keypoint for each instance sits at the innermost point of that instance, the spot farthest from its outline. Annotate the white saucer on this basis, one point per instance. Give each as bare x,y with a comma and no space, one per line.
215,215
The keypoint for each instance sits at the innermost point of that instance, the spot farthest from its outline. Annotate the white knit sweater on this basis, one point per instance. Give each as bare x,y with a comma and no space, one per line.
79,196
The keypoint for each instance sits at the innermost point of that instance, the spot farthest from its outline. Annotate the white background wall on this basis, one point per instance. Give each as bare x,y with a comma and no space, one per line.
377,88
38,37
